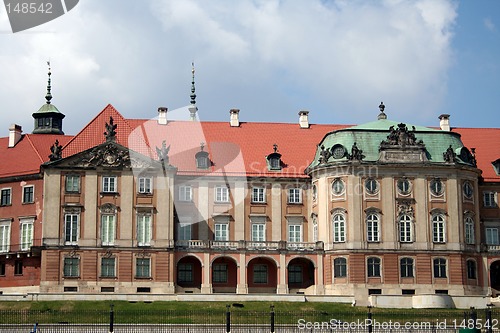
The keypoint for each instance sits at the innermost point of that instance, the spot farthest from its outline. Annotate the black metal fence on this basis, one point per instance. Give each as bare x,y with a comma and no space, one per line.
237,319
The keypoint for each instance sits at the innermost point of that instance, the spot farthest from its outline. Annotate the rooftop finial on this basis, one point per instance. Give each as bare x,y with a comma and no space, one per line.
193,95
382,115
48,97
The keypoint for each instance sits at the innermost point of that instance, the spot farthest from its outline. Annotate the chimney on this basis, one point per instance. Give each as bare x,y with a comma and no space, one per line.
304,119
444,122
162,115
15,132
234,119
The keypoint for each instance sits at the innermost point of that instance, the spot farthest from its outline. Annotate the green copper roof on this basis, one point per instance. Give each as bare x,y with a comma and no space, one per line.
369,136
48,108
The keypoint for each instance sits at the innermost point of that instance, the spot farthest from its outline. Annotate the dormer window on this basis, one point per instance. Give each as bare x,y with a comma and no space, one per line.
274,159
202,160
496,166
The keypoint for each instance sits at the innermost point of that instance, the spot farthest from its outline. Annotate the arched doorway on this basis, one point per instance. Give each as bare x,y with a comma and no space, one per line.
262,276
495,275
189,274
224,275
300,275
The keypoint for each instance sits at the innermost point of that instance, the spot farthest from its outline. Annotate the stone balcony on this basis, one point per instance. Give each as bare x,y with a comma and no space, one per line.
248,245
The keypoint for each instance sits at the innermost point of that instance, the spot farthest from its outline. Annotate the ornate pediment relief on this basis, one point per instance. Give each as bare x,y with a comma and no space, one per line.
107,155
402,146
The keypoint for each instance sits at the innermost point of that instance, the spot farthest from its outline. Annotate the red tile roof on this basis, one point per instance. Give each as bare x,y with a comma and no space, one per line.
27,155
487,144
233,150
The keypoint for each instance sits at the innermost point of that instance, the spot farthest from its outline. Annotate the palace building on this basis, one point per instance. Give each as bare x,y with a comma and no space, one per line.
162,206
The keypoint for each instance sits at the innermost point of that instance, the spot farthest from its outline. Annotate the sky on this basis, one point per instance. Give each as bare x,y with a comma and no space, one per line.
268,58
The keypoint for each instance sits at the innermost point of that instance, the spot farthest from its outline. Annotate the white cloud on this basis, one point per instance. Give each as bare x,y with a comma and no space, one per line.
488,23
269,58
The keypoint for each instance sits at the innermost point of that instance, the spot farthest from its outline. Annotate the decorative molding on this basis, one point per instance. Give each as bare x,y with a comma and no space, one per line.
108,208
405,207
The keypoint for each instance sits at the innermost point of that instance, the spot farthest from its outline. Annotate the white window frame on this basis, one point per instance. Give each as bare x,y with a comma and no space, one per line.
145,185
258,194
144,228
295,195
184,230
109,184
490,199
72,233
405,223
221,231
258,232
26,233
491,234
5,236
338,227
9,191
108,229
221,193
185,193
438,228
470,236
143,275
72,183
372,227
294,233
32,193
315,229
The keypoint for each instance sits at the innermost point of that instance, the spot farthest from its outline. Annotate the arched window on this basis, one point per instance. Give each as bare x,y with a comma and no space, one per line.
373,266
471,269
372,227
405,229
340,267
338,220
315,229
438,228
406,267
470,237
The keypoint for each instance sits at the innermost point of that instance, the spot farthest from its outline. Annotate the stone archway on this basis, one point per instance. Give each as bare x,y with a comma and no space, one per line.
495,275
300,275
224,275
188,274
262,276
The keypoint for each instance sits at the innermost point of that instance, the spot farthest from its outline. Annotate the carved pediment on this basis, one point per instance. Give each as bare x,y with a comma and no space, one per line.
405,207
402,146
107,155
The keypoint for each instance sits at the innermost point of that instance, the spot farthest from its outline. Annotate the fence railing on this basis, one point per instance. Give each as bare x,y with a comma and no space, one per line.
235,319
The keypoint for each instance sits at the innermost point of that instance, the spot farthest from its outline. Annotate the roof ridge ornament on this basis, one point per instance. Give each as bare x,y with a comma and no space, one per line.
110,130
56,151
48,96
381,115
193,109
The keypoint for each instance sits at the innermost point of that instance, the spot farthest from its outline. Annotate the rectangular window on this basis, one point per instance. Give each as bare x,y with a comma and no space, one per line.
145,185
490,199
220,273
71,267
28,194
109,184
144,229
72,184
294,274
221,232
439,268
108,229
185,193
492,236
142,268
258,232
295,233
18,267
5,197
184,231
71,221
108,267
260,273
294,196
221,194
2,268
185,272
258,194
4,236
26,234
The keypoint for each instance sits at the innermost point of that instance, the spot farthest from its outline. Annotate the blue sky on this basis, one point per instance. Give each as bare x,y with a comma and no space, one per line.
269,58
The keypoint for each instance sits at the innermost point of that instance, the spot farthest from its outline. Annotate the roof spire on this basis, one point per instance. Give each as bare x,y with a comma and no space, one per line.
193,95
192,108
48,97
381,115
